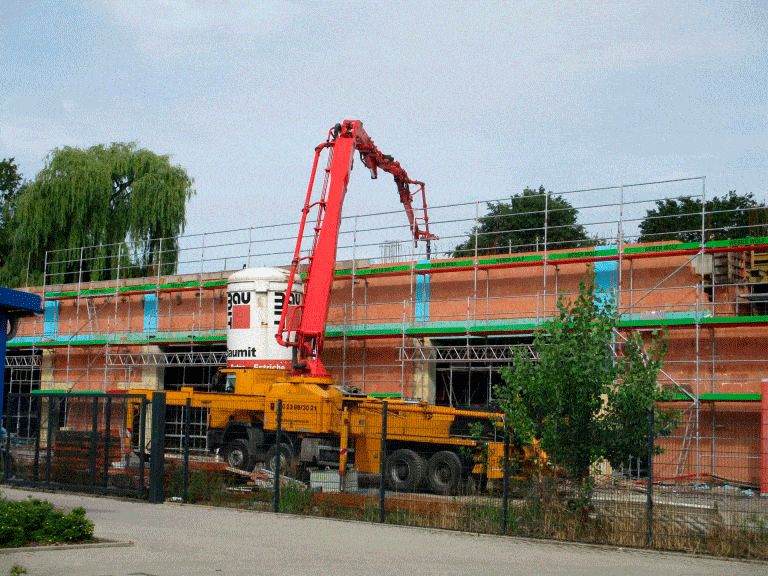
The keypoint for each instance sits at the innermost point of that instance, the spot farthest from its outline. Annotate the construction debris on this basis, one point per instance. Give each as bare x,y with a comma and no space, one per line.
263,478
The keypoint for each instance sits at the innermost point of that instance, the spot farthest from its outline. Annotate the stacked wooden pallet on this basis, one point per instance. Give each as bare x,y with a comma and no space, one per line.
758,267
730,267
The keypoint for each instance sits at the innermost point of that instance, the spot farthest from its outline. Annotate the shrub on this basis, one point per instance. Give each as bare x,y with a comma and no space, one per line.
35,521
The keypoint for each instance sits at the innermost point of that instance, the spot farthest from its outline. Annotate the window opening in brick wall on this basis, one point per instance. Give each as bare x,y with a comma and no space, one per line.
467,369
201,374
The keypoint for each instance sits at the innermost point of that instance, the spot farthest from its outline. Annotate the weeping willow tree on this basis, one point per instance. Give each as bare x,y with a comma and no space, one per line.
11,185
98,214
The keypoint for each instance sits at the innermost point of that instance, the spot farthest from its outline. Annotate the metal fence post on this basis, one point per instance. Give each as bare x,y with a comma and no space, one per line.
649,498
142,444
36,465
157,455
94,439
107,438
187,409
382,460
6,448
279,456
49,440
505,486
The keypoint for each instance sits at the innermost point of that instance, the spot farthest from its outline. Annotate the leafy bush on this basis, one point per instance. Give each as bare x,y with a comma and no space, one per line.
36,521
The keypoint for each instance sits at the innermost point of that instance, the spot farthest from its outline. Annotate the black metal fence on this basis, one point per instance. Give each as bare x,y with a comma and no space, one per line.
682,493
670,500
77,442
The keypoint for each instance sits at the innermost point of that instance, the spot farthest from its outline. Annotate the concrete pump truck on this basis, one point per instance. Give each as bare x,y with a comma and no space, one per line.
325,424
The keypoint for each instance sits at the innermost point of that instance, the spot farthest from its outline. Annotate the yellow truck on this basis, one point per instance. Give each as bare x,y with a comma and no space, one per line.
434,447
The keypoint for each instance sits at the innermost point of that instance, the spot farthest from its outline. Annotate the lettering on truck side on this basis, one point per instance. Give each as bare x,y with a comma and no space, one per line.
305,407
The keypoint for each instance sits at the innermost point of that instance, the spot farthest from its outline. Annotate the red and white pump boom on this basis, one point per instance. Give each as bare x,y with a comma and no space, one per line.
302,324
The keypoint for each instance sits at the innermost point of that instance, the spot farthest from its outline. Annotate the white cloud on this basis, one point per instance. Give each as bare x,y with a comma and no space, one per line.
174,28
30,138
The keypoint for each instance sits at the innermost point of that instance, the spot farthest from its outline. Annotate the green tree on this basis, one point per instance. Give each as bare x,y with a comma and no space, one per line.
10,187
519,225
581,399
90,212
732,216
10,180
633,394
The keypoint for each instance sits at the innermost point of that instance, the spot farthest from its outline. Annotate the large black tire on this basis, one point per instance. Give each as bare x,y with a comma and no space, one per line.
237,455
404,470
287,463
444,472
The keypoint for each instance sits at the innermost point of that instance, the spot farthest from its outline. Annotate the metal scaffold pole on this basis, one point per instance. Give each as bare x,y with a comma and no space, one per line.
474,263
620,250
546,251
698,329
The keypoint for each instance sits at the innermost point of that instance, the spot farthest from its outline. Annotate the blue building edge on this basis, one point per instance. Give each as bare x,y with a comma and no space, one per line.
14,304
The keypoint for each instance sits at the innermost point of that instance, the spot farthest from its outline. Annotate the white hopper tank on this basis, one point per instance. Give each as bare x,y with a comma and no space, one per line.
254,305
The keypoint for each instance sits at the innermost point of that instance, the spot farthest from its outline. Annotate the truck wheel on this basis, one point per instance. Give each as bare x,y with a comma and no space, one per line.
444,472
404,470
286,459
236,455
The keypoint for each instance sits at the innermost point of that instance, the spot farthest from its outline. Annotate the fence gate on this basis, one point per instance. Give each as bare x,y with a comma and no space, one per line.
76,441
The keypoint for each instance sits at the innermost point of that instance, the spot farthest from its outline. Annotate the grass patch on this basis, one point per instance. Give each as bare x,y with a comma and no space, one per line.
205,486
31,522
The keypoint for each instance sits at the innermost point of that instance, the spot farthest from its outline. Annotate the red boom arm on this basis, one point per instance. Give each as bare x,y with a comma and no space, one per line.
302,324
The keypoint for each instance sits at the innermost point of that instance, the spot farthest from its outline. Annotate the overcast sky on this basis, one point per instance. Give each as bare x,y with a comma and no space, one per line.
478,99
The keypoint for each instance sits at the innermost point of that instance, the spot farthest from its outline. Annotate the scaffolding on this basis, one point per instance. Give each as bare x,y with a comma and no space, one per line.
400,316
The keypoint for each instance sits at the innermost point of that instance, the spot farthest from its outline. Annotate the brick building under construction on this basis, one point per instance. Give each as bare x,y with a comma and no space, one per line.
436,329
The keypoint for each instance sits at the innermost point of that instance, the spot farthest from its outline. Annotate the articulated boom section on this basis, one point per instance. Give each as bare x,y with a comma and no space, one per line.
302,325
373,160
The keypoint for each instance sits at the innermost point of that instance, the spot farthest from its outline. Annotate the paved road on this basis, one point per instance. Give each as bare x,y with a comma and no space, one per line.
171,539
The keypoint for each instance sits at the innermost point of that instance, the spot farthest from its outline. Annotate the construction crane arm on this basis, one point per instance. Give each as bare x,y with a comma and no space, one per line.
374,160
302,323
